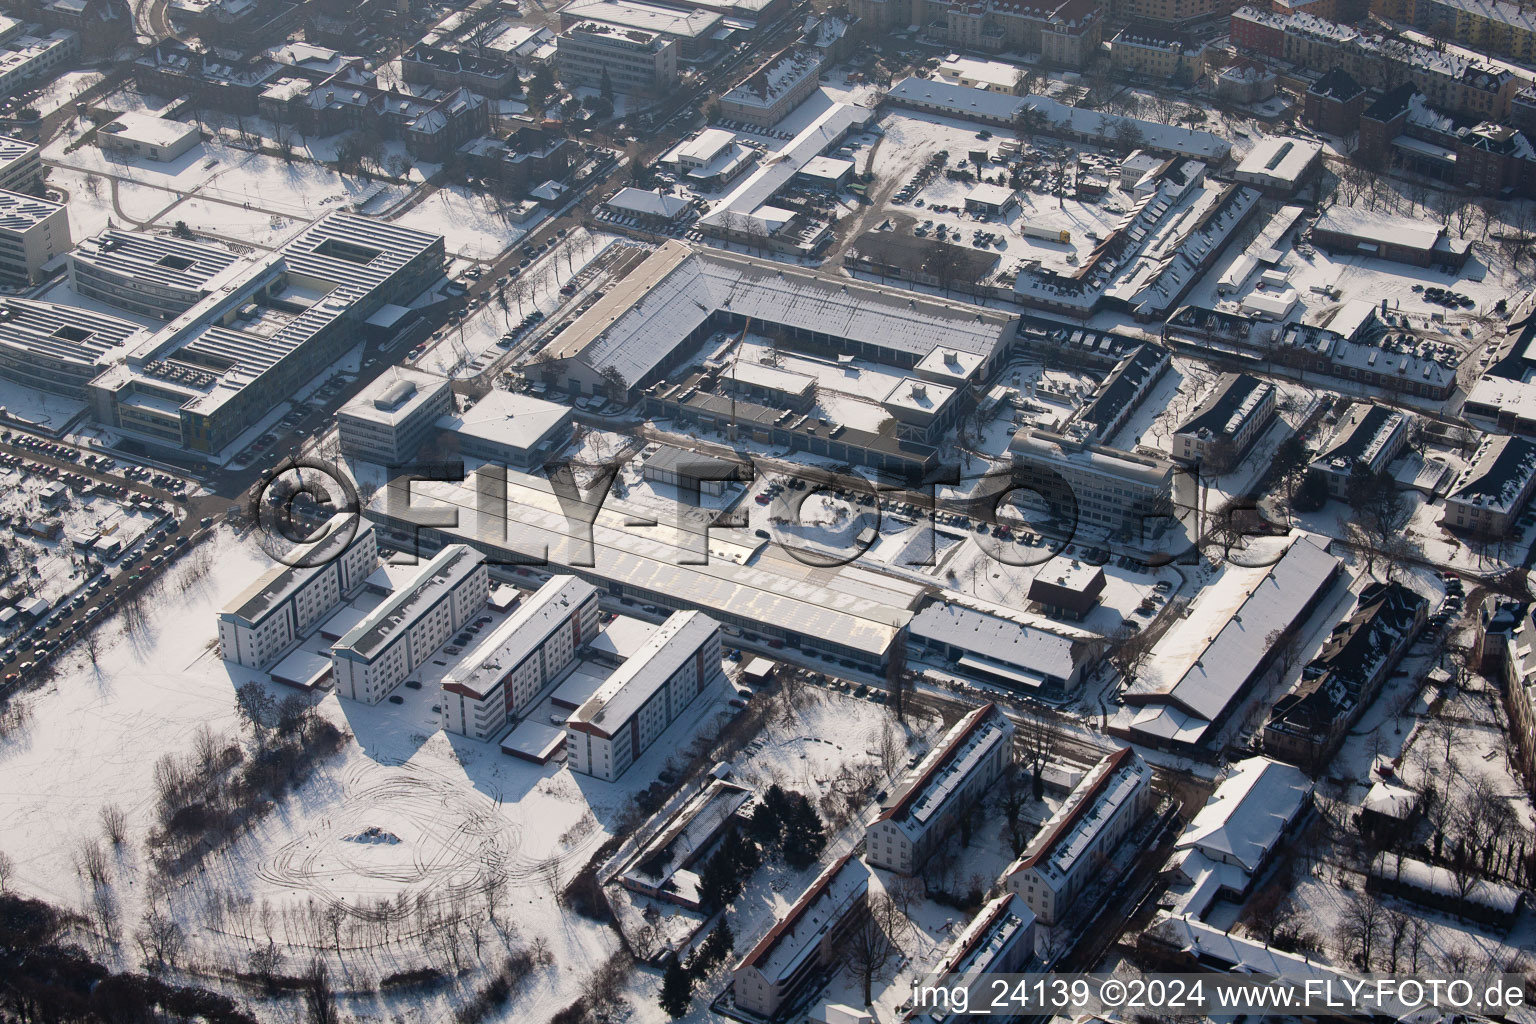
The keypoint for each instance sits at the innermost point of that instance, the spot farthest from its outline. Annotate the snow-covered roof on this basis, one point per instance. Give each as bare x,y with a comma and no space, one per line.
395,617
917,802
1500,474
799,932
269,590
646,203
1380,228
1278,158
641,319
394,396
1057,850
1039,646
504,649
1206,659
506,418
634,683
1248,813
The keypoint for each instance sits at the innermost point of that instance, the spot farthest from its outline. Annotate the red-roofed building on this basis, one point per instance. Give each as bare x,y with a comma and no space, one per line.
803,942
924,808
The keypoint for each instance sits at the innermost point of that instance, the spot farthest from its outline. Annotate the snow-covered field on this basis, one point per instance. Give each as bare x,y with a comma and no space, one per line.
402,812
474,225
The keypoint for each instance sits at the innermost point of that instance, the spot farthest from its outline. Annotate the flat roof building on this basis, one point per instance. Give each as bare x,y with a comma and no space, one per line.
926,804
283,603
698,31
59,348
630,58
644,695
145,135
32,232
398,636
1279,165
513,662
21,166
204,378
391,418
513,430
151,275
1080,483
1005,646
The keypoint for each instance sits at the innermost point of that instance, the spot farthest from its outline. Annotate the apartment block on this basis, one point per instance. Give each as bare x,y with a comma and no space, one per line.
398,636
281,605
924,807
512,663
804,941
1071,848
644,695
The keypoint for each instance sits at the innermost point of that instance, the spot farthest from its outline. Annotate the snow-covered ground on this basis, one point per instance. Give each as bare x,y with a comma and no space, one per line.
472,224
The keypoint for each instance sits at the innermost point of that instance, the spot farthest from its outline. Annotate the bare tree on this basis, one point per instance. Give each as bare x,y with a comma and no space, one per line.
91,863
7,870
114,824
160,939
550,869
870,946
1358,930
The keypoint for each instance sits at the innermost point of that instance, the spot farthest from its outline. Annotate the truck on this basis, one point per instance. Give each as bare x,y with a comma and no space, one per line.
1047,233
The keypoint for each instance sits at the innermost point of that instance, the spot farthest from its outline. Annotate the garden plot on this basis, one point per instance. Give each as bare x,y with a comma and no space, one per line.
51,568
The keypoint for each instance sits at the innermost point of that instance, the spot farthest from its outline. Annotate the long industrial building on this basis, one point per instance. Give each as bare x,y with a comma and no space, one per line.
644,695
924,807
398,636
651,321
513,662
1207,663
284,602
835,620
207,376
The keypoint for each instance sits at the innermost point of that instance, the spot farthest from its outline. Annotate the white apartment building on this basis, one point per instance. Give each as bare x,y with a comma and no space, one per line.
926,805
32,232
644,695
21,165
284,602
1067,852
391,418
635,60
804,940
507,669
398,636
